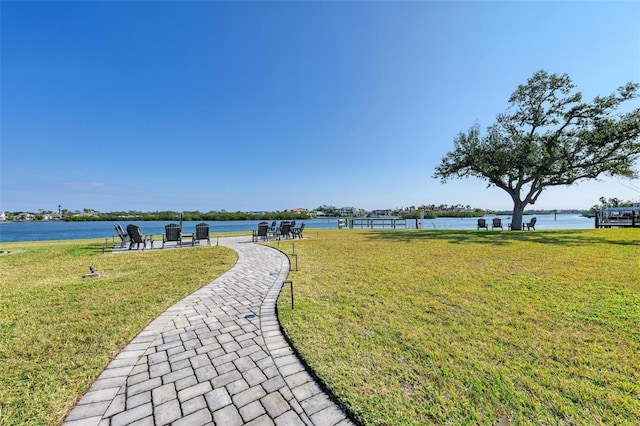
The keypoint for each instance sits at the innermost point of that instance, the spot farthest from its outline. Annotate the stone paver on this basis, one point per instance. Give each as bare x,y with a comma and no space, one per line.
216,357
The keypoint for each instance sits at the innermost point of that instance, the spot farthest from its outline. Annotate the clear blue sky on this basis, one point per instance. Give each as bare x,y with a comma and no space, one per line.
169,105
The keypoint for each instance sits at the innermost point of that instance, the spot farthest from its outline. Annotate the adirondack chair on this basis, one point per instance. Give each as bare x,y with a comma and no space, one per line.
202,233
261,233
497,223
531,224
172,232
124,237
482,223
137,238
284,231
297,232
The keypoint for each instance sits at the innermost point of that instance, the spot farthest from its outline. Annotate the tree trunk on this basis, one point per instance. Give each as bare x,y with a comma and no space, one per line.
516,216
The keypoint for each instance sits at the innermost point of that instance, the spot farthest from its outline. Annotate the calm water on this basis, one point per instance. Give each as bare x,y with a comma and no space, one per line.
38,231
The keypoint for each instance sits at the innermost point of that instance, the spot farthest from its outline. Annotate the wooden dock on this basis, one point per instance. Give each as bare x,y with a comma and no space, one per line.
372,223
627,221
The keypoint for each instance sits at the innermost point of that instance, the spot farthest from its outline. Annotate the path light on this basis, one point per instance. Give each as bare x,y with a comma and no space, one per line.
291,283
92,274
296,256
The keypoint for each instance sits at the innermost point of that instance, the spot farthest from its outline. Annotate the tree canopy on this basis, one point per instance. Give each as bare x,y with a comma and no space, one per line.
548,137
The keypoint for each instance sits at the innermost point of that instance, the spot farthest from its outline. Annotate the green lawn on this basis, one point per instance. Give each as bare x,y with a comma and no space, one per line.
58,331
406,327
464,327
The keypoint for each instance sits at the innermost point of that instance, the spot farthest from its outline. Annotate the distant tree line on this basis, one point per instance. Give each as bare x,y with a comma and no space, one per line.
186,216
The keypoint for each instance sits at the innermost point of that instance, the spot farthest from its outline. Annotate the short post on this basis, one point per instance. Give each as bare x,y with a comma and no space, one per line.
291,284
217,241
296,256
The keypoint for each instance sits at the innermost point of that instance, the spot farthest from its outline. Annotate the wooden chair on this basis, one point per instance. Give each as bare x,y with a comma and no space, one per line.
297,232
261,232
137,238
482,223
202,233
531,224
497,223
172,232
284,231
124,237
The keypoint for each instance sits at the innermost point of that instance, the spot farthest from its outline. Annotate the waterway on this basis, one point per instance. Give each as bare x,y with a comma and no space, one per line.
40,231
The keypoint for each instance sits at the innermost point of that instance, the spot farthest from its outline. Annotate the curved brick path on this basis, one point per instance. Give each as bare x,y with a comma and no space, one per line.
217,357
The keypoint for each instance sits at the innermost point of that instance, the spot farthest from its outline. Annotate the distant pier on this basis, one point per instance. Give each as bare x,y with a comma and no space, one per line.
372,223
618,217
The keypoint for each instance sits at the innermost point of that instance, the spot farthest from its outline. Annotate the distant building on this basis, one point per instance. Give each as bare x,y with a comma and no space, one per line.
381,212
298,211
3,217
347,211
24,217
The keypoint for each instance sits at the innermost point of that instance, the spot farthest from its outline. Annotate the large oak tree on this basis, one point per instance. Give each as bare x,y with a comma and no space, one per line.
548,137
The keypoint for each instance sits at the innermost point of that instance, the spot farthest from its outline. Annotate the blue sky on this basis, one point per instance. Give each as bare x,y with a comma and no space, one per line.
169,105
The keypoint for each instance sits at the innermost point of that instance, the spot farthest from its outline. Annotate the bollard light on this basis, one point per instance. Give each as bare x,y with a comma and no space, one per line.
291,284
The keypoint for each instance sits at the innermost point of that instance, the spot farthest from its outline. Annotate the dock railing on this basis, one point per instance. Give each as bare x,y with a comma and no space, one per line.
625,219
373,223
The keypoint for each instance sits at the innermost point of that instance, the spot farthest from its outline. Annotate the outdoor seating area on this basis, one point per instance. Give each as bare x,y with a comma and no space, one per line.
531,225
286,230
173,237
497,223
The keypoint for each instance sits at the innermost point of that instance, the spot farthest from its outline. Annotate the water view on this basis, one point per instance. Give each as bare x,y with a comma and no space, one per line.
39,231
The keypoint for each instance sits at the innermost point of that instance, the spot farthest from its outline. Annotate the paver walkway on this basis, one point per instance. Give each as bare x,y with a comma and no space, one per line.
215,358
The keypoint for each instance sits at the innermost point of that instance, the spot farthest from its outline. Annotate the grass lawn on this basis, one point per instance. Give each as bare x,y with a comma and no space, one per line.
463,327
58,331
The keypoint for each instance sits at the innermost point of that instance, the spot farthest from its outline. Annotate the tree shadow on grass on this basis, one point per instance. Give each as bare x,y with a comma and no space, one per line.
578,237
